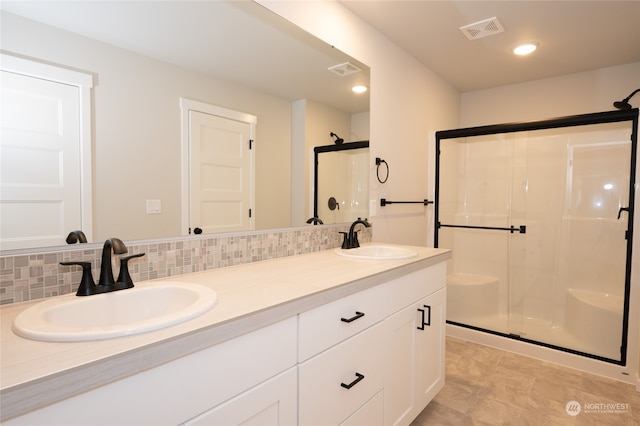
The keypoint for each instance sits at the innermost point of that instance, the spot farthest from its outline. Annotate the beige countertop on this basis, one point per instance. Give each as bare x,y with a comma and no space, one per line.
250,296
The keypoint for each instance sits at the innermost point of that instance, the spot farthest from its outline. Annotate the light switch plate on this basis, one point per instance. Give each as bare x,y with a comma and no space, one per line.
154,206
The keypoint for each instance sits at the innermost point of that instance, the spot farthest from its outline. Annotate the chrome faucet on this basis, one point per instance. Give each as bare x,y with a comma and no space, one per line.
351,239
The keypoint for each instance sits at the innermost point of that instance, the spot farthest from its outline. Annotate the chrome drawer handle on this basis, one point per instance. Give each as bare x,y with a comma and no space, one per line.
352,384
357,315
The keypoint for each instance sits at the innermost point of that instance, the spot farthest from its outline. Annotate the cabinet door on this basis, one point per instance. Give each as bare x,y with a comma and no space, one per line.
430,347
370,414
273,403
414,358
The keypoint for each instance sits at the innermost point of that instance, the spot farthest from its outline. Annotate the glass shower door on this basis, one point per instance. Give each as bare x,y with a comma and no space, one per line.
476,221
572,267
538,223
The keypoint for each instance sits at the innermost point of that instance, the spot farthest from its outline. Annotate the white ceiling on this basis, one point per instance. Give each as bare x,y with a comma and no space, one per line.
241,42
574,36
232,41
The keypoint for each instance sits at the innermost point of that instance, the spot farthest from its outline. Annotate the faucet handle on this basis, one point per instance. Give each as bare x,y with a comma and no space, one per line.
124,278
354,242
345,240
87,286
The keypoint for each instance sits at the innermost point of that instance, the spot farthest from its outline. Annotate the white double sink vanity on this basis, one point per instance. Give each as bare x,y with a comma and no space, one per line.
314,339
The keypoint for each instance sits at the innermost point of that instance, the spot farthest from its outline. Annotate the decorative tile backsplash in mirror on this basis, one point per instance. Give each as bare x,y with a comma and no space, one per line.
26,277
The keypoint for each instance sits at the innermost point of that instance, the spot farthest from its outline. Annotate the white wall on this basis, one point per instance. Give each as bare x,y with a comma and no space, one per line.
321,121
408,104
582,93
312,125
360,127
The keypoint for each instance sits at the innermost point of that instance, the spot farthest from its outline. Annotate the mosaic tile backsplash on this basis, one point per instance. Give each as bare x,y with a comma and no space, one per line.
34,276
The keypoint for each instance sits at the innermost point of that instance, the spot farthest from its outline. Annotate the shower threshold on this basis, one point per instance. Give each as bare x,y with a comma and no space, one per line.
540,332
544,352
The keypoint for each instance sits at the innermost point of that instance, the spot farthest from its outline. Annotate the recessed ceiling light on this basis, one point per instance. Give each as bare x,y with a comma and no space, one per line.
525,49
360,88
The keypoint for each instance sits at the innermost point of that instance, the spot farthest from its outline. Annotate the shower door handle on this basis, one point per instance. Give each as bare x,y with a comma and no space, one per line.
626,209
522,229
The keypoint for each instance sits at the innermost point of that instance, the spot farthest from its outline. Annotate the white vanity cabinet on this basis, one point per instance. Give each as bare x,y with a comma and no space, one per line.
242,377
374,357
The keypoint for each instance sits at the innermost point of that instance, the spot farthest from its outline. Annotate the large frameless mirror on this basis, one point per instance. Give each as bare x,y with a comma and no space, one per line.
144,57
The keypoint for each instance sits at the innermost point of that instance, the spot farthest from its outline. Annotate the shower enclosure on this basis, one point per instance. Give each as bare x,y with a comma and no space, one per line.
341,182
539,217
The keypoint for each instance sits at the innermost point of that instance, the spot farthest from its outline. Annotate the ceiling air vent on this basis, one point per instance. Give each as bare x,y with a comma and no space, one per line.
345,69
481,29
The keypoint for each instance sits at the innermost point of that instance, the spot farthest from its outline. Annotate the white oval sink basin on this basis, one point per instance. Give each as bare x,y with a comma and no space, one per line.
377,252
120,313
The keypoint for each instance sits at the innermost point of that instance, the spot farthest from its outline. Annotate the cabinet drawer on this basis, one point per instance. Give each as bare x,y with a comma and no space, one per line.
370,414
323,327
412,287
324,398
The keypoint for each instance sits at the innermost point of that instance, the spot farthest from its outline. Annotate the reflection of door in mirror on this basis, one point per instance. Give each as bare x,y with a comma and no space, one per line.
41,198
221,168
341,182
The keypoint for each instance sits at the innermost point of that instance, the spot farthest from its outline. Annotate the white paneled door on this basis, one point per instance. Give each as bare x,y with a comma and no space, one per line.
40,161
220,171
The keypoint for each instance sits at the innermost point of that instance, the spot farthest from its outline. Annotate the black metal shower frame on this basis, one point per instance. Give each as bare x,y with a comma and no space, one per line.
329,148
554,123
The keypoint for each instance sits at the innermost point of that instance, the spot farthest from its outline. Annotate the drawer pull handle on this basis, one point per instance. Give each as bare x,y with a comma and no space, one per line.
352,384
428,323
353,318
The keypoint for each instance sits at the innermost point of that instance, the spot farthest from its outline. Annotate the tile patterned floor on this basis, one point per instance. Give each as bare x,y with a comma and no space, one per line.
487,386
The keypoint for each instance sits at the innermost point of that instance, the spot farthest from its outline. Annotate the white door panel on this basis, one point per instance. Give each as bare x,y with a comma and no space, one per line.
220,173
40,168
